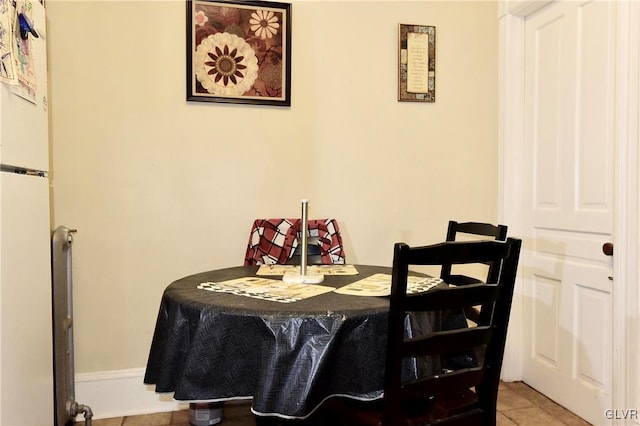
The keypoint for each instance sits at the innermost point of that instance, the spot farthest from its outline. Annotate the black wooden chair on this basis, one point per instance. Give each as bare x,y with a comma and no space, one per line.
473,230
464,397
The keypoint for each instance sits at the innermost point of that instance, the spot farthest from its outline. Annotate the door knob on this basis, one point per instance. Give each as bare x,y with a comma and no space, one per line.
607,248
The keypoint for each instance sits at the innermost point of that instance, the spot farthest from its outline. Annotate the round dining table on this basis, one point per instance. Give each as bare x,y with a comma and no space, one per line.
286,357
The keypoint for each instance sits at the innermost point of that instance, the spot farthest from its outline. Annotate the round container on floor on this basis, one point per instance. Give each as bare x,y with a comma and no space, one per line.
206,413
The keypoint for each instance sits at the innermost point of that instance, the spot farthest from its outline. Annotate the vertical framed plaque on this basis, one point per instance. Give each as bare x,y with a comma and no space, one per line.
417,63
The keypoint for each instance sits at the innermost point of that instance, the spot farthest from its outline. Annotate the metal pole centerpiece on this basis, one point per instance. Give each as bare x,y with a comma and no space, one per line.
303,278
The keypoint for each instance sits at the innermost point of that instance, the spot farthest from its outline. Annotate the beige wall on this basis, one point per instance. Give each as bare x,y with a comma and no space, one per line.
160,188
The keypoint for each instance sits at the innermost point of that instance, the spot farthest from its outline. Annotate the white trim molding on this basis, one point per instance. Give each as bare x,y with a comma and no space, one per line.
522,8
510,143
627,229
121,393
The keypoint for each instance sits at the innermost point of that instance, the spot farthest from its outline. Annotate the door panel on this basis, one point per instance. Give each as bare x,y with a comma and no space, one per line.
592,309
568,204
544,347
548,170
594,109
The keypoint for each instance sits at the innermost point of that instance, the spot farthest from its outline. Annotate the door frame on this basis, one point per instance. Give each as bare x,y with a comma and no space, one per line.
626,339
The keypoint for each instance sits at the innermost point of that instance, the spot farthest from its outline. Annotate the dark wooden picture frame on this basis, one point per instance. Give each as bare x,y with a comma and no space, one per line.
239,52
417,63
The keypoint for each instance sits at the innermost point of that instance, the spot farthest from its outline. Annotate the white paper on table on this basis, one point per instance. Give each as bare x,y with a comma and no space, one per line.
311,270
267,289
380,285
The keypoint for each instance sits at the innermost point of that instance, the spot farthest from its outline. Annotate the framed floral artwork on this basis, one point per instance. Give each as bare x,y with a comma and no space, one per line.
239,52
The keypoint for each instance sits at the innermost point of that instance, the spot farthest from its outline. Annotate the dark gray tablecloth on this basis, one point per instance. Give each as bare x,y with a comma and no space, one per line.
288,357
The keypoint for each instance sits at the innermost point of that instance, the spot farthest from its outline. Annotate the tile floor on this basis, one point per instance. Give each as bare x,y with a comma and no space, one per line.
518,404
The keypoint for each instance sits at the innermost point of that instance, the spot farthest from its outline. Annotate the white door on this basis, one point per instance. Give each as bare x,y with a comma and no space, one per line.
568,205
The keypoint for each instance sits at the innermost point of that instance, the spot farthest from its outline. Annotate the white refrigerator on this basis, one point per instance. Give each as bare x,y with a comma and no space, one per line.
26,361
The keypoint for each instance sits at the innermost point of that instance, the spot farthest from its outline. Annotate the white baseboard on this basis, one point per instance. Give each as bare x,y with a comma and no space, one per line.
121,393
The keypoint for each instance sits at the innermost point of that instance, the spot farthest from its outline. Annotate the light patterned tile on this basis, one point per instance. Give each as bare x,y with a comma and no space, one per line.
566,416
156,419
534,416
115,421
180,417
508,400
502,420
530,394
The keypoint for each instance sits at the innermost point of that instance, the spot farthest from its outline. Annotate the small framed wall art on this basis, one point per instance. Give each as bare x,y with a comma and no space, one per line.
239,52
417,63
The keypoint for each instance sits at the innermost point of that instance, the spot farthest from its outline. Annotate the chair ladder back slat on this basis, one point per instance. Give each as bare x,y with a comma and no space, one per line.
496,232
439,299
457,252
452,383
460,280
448,343
499,232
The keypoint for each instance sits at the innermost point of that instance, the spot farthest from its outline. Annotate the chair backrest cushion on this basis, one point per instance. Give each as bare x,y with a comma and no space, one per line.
273,241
